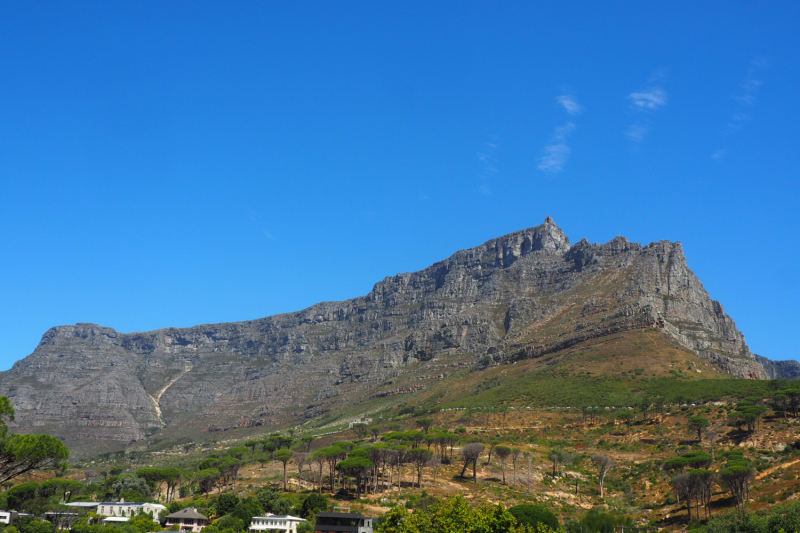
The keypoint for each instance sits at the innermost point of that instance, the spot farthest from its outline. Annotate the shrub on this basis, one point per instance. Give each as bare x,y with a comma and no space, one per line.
530,515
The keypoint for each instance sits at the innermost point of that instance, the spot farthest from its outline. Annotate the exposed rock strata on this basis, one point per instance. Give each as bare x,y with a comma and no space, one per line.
523,295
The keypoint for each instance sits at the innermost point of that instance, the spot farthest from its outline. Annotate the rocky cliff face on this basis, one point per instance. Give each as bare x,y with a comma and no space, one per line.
519,296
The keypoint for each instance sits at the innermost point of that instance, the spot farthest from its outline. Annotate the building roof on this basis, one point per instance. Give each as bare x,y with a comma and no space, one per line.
187,513
279,517
328,514
86,505
116,519
134,504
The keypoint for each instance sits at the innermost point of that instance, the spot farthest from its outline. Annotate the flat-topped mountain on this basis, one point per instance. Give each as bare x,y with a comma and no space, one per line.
520,296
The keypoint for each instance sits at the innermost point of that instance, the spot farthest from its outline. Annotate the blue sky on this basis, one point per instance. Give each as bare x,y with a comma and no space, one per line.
178,163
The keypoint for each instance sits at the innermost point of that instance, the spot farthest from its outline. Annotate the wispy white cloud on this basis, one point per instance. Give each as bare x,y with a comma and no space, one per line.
748,89
649,99
637,132
555,153
645,102
570,103
489,167
257,220
746,97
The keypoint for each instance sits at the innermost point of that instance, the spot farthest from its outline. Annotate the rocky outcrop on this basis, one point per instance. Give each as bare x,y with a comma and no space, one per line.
523,295
779,369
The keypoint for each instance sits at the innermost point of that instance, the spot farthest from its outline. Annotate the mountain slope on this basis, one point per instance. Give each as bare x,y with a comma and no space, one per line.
517,297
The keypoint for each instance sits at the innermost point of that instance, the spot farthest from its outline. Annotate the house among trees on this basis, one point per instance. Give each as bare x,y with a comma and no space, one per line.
123,508
188,520
273,523
359,421
343,523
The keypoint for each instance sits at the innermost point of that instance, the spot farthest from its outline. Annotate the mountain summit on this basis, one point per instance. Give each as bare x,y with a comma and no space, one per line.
521,296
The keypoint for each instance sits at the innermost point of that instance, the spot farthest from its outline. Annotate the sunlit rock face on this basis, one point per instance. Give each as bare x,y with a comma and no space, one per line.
518,296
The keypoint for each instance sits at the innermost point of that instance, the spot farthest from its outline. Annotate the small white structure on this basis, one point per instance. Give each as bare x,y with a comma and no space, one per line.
275,523
128,509
355,421
89,506
5,517
115,519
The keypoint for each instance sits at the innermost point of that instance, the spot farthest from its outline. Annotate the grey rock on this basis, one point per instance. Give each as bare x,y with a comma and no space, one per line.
523,295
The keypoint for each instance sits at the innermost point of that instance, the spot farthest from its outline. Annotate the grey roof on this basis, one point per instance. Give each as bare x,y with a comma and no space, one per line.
127,503
187,513
329,514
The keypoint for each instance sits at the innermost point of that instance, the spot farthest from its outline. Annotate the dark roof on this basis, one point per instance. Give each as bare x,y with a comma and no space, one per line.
187,513
327,514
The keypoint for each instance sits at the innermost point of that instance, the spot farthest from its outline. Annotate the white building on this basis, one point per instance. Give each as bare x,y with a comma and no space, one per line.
115,520
123,508
355,421
275,523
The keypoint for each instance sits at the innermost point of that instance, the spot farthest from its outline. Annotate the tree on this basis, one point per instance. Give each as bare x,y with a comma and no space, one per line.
737,480
470,453
226,503
307,440
252,444
20,454
375,430
701,482
319,459
451,515
357,467
644,407
516,453
697,424
603,464
130,487
711,437
399,457
425,423
361,430
626,417
530,515
416,438
419,458
247,509
172,477
207,479
313,504
301,459
529,463
62,489
21,493
284,456
502,453
229,469
492,444
331,456
238,452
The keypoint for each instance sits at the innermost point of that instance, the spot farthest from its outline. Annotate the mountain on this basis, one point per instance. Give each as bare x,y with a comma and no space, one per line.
521,296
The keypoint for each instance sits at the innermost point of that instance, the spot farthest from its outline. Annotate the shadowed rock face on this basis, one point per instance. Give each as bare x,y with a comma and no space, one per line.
519,296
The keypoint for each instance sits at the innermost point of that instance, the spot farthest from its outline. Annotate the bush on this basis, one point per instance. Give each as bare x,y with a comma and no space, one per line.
247,509
530,515
313,504
229,522
34,525
453,514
